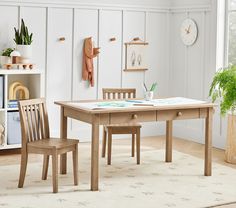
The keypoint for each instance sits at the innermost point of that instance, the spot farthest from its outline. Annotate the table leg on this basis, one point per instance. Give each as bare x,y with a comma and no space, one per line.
169,126
208,142
63,135
95,155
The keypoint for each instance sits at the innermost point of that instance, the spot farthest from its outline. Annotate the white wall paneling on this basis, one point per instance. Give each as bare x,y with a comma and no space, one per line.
179,70
134,25
192,68
195,71
8,20
85,25
157,36
59,62
187,72
110,58
37,26
178,73
157,28
147,5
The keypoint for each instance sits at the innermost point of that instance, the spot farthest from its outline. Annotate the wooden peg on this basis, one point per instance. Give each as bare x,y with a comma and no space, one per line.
136,39
62,39
112,39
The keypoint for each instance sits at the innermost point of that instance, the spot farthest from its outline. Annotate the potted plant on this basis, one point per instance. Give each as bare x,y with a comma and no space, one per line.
223,88
5,56
23,40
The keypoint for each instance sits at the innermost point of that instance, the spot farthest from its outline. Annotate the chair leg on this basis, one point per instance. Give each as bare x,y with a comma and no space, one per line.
23,166
109,147
45,167
55,171
75,164
104,141
133,145
138,146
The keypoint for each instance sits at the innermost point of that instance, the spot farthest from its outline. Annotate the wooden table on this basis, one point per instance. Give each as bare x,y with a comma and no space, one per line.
139,114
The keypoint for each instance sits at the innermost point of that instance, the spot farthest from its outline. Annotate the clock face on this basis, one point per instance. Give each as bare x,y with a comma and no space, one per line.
189,32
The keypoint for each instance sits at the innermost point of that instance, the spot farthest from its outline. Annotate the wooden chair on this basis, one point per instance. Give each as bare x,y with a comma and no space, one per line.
134,129
36,139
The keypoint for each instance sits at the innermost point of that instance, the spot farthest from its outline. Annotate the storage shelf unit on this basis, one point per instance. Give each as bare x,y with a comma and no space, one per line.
33,80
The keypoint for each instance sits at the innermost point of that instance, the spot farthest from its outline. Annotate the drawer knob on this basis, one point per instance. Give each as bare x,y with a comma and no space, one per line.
134,116
179,113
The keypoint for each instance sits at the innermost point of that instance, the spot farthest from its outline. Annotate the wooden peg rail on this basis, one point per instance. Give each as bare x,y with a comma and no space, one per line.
136,39
112,39
61,39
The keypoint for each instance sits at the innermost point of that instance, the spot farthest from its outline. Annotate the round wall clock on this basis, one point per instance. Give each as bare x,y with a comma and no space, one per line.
189,32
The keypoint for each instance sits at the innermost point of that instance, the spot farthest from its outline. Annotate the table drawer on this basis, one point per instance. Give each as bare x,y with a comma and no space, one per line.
145,116
178,114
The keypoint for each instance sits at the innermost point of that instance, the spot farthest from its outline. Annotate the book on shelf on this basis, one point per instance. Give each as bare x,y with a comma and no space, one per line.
12,104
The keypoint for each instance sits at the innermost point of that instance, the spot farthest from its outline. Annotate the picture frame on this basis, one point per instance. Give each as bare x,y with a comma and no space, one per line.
136,56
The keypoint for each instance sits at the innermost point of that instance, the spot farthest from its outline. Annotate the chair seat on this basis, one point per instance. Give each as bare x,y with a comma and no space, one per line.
53,143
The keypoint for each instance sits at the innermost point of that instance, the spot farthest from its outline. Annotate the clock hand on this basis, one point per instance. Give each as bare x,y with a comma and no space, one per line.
189,28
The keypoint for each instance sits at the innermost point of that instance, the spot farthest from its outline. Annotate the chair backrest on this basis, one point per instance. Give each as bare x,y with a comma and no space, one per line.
118,93
34,120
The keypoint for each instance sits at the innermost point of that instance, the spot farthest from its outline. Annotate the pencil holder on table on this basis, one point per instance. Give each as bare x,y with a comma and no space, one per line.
148,95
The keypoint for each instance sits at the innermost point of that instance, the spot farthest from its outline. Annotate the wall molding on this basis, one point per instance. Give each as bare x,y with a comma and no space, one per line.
190,8
125,7
72,4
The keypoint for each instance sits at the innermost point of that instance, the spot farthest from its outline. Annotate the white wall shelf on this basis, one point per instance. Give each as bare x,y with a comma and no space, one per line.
20,71
33,79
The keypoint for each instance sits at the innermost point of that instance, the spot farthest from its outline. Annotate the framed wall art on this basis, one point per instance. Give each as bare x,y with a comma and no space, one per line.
136,56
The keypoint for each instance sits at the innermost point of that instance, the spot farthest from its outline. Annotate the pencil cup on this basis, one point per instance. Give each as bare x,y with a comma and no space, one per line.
149,95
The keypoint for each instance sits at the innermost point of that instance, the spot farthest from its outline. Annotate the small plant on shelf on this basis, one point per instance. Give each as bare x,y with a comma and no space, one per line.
7,52
22,36
23,40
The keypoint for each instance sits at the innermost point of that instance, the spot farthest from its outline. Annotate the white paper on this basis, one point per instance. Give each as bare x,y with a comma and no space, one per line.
135,103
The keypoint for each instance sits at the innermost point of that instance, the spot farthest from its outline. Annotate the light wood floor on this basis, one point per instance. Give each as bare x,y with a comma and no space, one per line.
181,145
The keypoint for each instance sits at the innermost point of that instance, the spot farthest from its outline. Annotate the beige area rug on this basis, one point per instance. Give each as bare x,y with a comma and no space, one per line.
124,184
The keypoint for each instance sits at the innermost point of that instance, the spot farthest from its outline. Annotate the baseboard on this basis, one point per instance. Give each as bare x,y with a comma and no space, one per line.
198,136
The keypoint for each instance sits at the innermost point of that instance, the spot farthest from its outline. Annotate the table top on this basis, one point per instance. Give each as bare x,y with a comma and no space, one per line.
134,105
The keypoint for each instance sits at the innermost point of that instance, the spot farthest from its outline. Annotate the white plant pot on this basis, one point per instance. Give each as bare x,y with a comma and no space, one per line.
25,52
230,152
5,60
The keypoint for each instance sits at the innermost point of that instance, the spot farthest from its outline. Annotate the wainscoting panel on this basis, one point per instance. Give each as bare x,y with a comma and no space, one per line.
8,20
110,58
59,62
157,29
134,25
189,67
85,25
37,26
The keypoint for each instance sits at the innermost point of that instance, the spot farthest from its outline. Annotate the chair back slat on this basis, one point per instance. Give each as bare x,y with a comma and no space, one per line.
29,122
34,127
118,93
34,120
46,123
41,121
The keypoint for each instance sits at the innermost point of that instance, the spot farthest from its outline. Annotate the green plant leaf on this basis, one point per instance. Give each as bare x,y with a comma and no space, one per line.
224,86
